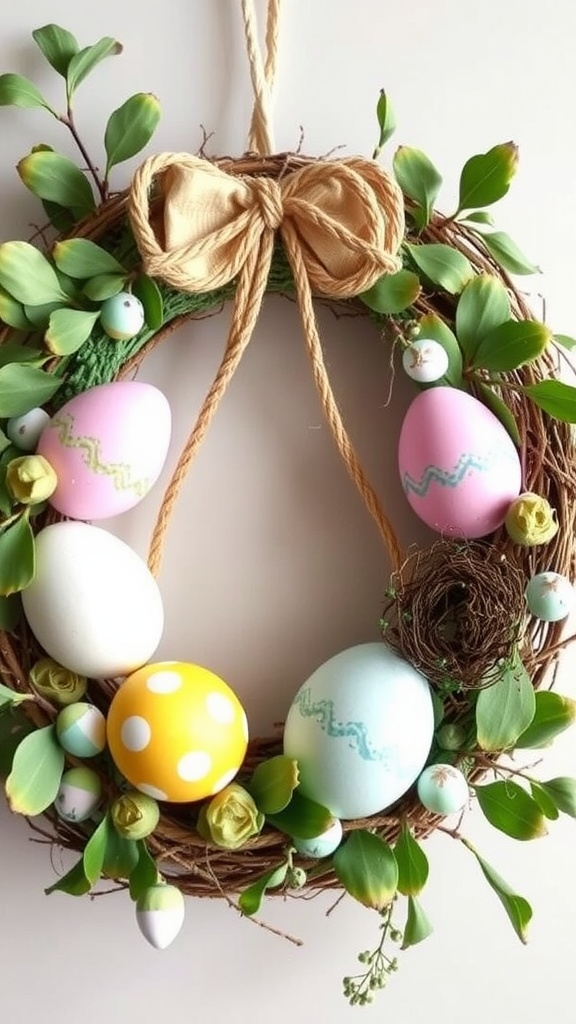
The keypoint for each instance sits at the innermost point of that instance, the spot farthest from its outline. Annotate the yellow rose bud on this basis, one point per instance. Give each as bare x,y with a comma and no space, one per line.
530,520
57,683
231,818
31,479
135,815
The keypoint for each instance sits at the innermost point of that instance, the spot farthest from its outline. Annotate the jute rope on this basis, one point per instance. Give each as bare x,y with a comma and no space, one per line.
341,224
260,139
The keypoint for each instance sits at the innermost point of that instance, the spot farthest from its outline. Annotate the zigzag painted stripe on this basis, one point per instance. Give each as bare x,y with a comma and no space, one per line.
119,472
446,478
355,733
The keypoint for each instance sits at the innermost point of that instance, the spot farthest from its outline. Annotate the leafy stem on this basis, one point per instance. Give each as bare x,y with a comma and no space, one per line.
68,120
359,988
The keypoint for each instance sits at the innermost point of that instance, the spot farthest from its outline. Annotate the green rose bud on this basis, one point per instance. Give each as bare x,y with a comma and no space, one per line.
135,815
530,520
230,819
56,683
30,479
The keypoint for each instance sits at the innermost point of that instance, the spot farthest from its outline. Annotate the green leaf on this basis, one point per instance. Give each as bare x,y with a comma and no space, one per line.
58,46
518,909
12,697
273,783
563,792
478,217
544,801
505,709
10,612
565,340
14,726
68,329
73,883
23,387
418,179
302,818
39,316
82,259
130,128
554,713
510,809
104,286
393,292
17,559
83,62
93,856
27,275
146,289
555,398
60,218
12,313
442,265
431,326
507,254
483,305
144,874
121,855
17,91
36,772
250,900
412,863
386,122
366,867
498,406
486,177
417,927
6,500
57,179
511,345
13,352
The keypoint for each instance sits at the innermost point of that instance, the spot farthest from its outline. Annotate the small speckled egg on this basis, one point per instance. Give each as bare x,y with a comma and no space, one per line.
459,467
24,431
93,604
79,794
177,731
442,789
107,446
81,730
122,316
322,845
160,914
550,596
425,360
360,729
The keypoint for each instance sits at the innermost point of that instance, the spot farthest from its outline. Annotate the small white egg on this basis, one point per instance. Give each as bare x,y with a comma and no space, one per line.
322,845
160,914
550,596
442,789
79,794
425,360
24,431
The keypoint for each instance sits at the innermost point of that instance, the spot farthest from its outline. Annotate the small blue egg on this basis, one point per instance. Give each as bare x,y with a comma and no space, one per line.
442,789
322,845
122,316
81,730
550,596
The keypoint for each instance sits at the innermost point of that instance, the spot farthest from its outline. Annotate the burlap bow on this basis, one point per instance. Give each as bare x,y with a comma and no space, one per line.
341,224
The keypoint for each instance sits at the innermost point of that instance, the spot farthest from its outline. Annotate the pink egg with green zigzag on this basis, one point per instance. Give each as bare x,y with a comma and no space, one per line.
459,467
108,446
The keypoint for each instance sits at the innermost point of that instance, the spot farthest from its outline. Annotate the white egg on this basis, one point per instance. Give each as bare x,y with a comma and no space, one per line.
24,431
322,845
160,914
425,360
361,729
79,794
93,605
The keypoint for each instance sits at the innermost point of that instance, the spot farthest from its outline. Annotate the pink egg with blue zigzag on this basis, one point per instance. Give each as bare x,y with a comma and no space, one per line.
108,446
459,467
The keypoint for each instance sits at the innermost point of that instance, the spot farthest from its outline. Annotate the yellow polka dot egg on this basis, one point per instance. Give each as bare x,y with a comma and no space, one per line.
177,731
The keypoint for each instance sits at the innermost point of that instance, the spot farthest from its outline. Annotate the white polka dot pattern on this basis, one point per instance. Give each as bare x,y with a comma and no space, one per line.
194,766
220,708
135,733
164,682
158,794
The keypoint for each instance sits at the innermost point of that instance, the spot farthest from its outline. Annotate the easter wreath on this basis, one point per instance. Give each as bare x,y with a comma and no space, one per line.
478,616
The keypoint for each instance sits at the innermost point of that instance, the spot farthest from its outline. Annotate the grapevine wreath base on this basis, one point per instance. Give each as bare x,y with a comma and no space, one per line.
456,612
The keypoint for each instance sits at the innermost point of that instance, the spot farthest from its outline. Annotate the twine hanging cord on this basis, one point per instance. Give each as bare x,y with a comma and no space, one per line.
341,224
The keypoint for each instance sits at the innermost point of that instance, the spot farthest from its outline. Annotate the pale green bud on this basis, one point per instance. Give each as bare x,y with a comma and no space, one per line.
135,815
31,479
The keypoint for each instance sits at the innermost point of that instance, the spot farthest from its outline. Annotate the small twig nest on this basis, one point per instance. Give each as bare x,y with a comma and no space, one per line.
456,612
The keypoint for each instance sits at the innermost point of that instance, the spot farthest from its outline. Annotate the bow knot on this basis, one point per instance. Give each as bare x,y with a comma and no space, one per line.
268,198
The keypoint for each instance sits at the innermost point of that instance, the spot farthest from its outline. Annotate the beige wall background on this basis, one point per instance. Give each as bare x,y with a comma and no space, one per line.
272,565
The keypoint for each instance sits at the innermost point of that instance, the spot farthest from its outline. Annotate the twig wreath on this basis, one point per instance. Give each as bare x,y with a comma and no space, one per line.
145,769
